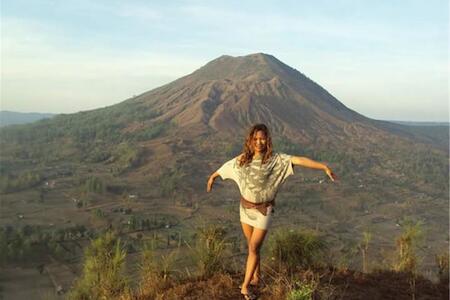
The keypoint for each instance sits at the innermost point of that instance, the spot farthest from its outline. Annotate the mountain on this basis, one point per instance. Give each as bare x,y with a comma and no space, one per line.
205,111
11,117
220,101
230,93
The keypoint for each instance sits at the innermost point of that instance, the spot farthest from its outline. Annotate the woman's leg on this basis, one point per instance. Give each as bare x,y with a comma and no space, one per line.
254,246
248,230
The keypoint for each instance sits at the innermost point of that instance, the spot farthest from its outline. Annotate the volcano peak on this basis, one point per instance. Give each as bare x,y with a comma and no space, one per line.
258,66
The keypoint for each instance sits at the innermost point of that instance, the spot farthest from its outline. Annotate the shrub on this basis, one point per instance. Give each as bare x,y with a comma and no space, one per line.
304,291
14,183
156,274
170,181
443,267
291,249
364,247
93,184
209,251
103,270
152,132
283,144
406,248
126,156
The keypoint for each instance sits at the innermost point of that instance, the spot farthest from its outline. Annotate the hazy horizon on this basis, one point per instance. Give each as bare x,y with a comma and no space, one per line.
447,122
385,60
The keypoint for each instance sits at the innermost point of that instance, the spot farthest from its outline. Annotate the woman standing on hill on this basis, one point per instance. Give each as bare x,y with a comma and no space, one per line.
259,173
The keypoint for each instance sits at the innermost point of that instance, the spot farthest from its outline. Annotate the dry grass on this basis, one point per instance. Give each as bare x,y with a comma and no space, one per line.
443,267
156,274
305,281
292,249
210,249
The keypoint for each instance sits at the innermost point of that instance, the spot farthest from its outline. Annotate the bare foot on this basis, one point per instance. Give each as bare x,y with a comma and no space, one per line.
247,294
254,281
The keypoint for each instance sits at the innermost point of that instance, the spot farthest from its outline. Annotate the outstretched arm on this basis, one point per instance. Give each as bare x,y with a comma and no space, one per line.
211,181
226,172
309,163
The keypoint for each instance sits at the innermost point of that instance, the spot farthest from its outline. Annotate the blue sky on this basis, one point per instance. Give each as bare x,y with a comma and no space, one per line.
384,59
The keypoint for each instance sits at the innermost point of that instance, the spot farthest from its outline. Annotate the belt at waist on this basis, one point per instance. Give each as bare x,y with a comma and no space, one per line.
261,207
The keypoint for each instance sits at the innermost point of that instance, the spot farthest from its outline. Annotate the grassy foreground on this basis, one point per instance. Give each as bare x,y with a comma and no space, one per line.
296,268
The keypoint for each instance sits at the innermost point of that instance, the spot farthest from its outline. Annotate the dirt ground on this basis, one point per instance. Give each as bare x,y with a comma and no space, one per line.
333,285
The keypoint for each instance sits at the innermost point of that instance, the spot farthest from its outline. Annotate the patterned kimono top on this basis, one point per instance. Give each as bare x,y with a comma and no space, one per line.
258,182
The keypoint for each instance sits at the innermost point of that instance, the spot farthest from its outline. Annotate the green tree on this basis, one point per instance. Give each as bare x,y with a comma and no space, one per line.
407,260
94,184
407,243
103,274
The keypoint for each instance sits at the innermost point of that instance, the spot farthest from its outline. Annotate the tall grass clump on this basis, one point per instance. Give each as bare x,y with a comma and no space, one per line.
407,260
156,273
364,247
209,251
292,249
442,261
103,274
407,243
302,291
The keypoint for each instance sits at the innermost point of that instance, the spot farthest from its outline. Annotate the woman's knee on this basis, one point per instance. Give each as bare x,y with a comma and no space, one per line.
253,248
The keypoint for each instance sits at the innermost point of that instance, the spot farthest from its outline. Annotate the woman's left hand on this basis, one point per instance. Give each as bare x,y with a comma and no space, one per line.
330,174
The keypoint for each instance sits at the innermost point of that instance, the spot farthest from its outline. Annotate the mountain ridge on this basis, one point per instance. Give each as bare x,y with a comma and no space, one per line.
231,93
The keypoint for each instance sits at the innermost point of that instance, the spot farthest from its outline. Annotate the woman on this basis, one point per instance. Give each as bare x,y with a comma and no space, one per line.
259,173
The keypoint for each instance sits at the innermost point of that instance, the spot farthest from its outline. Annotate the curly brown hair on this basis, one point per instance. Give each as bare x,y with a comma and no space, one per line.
248,152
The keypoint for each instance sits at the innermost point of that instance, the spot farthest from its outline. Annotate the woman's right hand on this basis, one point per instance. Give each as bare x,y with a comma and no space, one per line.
330,174
210,183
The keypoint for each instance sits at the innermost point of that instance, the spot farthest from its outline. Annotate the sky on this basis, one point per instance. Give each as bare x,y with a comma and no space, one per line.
384,59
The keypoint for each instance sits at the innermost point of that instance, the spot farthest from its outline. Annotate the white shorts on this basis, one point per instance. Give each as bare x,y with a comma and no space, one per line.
255,218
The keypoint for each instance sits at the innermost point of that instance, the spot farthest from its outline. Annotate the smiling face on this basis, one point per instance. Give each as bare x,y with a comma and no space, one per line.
259,142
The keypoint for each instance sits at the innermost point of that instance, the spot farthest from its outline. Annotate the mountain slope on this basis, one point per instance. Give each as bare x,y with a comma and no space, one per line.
221,100
231,93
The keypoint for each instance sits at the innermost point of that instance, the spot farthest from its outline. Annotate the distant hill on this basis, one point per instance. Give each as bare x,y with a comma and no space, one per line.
12,118
435,132
413,123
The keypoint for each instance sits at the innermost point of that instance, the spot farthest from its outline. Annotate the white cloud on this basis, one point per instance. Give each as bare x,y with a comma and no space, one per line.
40,72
